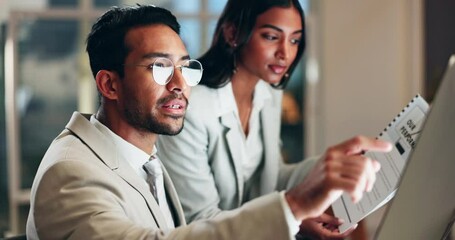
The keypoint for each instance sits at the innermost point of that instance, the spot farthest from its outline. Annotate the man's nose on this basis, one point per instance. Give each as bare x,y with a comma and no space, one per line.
177,83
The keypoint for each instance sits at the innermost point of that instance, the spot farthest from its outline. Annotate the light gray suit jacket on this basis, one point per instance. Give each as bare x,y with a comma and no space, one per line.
83,191
205,160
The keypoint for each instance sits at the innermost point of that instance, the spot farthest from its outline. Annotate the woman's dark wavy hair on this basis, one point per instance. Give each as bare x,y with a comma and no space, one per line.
218,61
106,45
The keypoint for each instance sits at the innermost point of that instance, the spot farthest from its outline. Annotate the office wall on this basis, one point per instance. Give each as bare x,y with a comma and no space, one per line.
439,41
369,56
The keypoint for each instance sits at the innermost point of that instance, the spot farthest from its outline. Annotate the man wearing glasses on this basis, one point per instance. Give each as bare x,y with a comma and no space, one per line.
100,178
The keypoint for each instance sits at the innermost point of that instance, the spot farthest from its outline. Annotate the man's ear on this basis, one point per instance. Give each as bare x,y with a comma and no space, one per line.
230,34
107,83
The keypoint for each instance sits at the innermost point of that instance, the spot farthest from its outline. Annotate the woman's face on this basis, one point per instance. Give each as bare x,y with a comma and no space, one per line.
273,45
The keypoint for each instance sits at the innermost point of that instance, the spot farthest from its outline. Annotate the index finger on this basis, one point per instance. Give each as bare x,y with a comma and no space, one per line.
361,144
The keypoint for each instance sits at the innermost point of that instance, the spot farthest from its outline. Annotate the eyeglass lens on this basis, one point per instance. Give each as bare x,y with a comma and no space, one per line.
163,69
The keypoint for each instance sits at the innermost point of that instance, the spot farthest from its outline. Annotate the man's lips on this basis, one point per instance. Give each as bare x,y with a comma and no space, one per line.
175,105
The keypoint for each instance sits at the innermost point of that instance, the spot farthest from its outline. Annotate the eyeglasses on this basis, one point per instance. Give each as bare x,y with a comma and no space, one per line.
163,70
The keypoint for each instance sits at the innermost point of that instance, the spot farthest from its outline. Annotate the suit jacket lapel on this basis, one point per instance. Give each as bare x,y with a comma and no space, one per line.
173,199
270,117
126,172
234,139
227,108
104,148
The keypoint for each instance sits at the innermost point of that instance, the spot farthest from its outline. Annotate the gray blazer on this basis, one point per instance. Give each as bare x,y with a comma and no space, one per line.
204,160
83,191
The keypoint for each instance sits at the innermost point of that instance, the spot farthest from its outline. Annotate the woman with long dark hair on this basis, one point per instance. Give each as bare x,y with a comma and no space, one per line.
230,142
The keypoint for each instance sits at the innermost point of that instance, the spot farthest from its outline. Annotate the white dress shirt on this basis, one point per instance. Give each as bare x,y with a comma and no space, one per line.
253,146
136,159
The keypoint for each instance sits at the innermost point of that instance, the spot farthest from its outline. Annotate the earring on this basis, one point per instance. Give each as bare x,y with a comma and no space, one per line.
234,69
286,75
234,64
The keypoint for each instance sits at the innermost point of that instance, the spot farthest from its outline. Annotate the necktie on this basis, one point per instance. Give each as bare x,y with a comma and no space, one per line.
156,182
154,173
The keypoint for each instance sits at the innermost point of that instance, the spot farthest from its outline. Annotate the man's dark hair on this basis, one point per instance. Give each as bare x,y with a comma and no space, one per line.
106,46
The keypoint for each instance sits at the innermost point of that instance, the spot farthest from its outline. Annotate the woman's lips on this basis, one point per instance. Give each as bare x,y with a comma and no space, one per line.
278,69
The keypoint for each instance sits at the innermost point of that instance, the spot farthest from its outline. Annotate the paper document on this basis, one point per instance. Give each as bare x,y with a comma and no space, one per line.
403,132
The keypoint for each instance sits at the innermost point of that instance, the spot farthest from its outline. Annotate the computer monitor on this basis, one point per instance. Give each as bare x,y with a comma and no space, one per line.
424,205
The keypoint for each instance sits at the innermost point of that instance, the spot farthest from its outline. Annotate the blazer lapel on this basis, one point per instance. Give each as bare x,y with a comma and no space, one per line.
227,108
270,117
174,202
234,139
126,172
104,148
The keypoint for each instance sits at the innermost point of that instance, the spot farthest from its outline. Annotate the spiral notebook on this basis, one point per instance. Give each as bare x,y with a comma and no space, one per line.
403,131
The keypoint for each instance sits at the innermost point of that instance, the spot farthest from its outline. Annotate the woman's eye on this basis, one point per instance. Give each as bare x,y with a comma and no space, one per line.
296,41
269,37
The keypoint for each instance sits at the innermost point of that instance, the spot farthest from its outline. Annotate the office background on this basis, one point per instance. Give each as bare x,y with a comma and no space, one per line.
364,61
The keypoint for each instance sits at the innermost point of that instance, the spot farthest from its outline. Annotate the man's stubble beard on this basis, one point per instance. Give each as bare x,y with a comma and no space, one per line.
146,121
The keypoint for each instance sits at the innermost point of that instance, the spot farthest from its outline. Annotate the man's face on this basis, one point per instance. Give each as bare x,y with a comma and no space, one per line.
146,105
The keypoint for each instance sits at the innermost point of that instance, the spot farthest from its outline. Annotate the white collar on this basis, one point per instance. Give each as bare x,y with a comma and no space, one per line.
227,100
130,153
